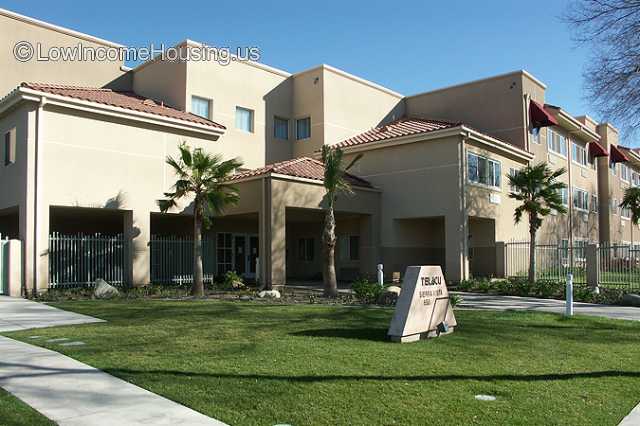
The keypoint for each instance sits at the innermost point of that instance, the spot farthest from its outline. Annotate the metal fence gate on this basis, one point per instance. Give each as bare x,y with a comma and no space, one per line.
79,260
553,261
172,260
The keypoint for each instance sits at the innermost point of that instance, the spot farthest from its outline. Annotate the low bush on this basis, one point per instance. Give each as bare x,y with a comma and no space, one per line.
367,292
546,289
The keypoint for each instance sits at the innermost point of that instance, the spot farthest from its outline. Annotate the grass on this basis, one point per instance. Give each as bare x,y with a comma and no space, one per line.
256,364
14,412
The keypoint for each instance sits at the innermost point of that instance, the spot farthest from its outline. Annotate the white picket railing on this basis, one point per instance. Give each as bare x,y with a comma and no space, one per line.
172,260
77,260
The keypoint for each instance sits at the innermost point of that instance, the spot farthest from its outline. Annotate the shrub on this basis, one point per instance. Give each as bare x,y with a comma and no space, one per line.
455,300
366,292
231,281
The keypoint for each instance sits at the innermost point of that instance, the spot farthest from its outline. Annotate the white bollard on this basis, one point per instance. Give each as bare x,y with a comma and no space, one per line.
569,298
380,274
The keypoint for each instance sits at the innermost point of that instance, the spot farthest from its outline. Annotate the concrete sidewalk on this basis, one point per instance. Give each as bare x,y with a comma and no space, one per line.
492,301
72,393
21,314
69,392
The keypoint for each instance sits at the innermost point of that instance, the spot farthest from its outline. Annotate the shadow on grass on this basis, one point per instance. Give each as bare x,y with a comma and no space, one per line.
420,378
371,334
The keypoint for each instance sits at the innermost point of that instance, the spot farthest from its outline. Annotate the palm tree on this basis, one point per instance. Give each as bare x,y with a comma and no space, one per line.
201,176
334,183
631,201
538,189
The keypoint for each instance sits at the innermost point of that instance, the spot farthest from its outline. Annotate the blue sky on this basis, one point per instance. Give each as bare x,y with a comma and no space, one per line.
408,46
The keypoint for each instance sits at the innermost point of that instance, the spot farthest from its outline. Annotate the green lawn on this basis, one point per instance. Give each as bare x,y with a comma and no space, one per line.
250,363
14,412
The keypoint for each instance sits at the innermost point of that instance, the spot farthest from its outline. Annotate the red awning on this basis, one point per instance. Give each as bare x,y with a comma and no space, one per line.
617,156
597,150
539,116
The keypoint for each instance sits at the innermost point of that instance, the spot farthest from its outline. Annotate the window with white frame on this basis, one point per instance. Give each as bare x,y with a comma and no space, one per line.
201,106
10,147
535,135
612,167
303,128
624,172
564,195
614,206
594,203
483,170
580,199
635,179
625,213
244,119
280,128
579,154
556,142
512,172
224,253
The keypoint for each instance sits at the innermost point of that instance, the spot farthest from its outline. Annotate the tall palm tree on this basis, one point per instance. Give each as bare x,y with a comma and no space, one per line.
334,184
201,176
631,201
538,189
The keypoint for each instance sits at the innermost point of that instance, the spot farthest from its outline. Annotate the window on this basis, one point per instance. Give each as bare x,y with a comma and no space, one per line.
305,249
625,213
594,203
580,199
303,128
556,142
224,253
564,251
201,106
512,172
564,195
624,172
350,247
614,206
635,179
280,128
612,167
10,147
535,135
579,154
244,119
483,170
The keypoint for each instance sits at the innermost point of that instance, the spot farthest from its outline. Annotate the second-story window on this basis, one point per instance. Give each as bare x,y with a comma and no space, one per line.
594,203
635,179
303,128
280,128
483,170
579,154
10,147
244,119
535,135
612,167
564,195
580,199
556,142
624,172
201,106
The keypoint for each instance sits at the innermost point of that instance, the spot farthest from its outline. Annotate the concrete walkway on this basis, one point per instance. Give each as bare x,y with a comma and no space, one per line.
21,314
491,301
72,393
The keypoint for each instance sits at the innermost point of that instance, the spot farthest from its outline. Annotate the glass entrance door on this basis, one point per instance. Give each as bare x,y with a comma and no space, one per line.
240,254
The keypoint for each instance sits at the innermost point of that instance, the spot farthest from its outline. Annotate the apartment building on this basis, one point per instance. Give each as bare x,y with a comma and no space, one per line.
89,157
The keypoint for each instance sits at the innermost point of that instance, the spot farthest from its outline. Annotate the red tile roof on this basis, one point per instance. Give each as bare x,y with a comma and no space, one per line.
303,167
125,99
403,127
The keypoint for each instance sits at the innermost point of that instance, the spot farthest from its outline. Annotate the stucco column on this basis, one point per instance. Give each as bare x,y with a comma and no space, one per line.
273,238
456,259
592,255
137,231
42,249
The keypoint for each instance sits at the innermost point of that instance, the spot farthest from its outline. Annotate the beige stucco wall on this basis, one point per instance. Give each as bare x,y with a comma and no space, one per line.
267,93
352,106
82,73
494,106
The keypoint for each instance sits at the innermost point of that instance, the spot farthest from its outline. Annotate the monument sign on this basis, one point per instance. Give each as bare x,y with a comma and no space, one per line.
423,309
